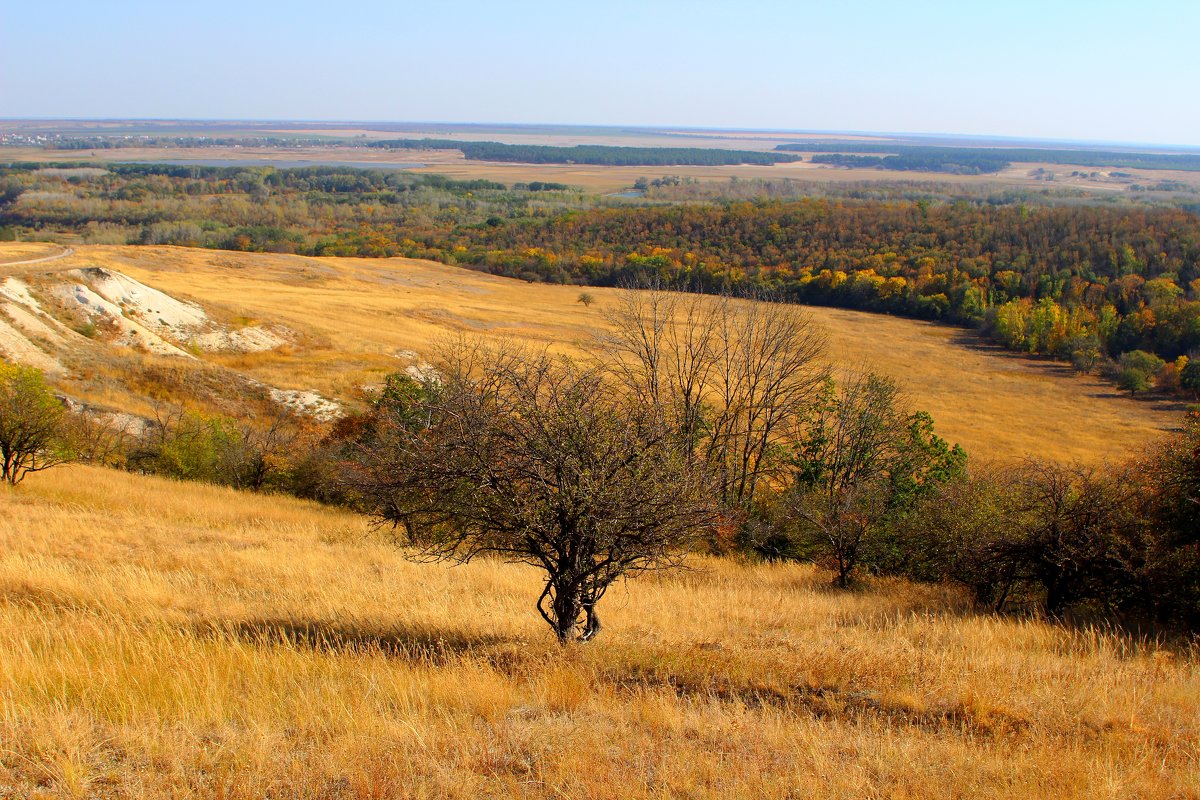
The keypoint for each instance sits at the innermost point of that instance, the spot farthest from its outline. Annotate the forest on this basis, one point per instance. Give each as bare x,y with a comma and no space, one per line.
939,161
907,156
605,155
1109,288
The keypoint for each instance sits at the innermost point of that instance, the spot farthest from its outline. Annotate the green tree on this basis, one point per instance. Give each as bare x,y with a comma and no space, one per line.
1189,376
1134,381
861,466
32,435
1137,371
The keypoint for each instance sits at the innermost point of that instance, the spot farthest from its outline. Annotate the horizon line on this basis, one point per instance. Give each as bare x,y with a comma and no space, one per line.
667,129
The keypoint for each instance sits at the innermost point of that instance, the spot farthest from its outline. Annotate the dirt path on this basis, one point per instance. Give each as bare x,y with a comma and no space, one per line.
66,251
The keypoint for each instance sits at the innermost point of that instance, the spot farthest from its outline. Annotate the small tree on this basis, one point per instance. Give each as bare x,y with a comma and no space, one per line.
1137,370
586,298
1189,376
537,459
962,532
1133,381
1170,570
863,461
31,424
188,445
1072,522
733,375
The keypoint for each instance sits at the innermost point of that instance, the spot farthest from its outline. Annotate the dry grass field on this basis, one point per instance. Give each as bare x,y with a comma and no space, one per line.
180,640
361,318
602,179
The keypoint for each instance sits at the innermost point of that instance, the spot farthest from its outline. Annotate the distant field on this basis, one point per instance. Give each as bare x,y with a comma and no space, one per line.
603,178
361,317
163,639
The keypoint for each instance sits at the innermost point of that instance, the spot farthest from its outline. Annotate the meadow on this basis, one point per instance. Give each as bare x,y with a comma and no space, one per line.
164,639
359,319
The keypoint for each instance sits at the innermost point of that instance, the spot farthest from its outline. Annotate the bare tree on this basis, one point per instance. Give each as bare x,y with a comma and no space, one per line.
731,374
538,459
250,453
99,437
1073,522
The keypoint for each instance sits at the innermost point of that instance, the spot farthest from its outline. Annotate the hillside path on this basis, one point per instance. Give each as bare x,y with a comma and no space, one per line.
66,251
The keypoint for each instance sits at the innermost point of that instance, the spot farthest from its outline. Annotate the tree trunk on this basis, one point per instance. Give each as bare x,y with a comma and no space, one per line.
843,578
593,622
1056,594
566,607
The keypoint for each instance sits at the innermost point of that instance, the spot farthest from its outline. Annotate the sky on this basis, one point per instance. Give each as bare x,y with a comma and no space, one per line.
1089,70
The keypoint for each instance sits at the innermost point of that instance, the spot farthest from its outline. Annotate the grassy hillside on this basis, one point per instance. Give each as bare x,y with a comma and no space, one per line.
358,319
161,639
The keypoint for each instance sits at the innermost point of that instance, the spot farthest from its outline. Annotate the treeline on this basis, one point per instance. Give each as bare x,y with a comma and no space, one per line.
605,155
993,155
257,209
948,161
1122,540
676,189
324,179
121,142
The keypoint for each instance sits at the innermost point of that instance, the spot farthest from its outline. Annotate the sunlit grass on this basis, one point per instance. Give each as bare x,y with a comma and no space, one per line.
174,640
358,318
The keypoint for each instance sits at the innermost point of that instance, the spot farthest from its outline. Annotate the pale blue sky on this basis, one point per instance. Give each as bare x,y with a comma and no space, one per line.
1068,69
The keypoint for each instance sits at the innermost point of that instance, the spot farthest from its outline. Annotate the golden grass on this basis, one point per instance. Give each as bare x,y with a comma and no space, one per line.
356,315
21,251
172,640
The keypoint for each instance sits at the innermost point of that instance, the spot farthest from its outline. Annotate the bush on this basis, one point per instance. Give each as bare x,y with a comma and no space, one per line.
1137,369
1134,381
216,449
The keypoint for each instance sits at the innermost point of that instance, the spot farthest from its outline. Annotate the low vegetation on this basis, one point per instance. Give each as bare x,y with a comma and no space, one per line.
175,639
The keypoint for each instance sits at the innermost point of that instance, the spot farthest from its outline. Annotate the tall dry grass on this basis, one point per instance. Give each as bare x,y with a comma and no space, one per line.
173,640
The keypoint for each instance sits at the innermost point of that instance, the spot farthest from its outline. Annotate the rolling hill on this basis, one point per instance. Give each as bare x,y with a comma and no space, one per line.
124,328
